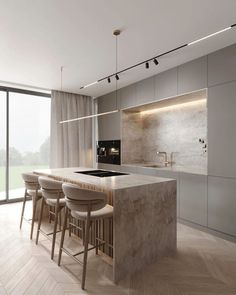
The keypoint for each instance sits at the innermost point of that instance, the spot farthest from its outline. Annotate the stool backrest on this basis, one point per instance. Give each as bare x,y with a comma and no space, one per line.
31,181
51,189
80,199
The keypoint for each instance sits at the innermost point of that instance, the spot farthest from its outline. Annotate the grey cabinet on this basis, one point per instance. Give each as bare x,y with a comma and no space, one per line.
222,204
222,66
193,198
166,84
128,96
109,127
221,130
192,75
108,102
145,91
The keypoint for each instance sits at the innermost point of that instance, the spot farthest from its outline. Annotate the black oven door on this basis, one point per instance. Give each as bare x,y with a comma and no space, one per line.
108,151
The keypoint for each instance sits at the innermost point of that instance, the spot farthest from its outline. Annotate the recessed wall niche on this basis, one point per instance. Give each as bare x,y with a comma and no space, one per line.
173,125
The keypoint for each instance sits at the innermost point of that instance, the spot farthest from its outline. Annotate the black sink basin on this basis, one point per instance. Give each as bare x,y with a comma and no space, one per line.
101,173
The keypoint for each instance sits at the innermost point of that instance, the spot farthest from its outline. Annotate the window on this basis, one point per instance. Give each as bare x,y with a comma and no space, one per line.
2,145
27,126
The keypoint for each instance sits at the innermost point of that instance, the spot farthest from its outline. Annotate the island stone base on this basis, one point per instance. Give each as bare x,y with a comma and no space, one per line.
144,226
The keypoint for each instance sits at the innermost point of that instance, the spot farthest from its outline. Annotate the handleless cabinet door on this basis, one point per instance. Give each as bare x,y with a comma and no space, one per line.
192,75
109,127
166,84
222,204
221,130
108,102
222,66
145,91
128,96
193,198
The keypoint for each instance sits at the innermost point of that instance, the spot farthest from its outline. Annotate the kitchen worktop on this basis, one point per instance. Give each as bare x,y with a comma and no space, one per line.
184,169
109,183
144,209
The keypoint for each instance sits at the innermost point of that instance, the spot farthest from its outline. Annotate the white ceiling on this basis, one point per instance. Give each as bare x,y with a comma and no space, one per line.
38,37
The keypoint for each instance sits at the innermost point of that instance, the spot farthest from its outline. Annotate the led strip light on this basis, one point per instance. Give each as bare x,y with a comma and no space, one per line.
89,116
160,55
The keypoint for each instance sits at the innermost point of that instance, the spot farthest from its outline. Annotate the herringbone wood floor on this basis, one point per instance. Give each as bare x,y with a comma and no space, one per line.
203,265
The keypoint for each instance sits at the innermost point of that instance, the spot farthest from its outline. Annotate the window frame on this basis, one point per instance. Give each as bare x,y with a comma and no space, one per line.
8,90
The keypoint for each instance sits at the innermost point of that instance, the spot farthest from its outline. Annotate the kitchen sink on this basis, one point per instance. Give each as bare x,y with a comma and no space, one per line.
154,166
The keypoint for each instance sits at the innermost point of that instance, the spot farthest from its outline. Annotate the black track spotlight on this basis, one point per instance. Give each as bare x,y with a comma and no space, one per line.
155,61
147,65
117,77
109,80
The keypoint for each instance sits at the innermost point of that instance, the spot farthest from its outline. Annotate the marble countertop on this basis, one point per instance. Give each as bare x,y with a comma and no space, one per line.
109,183
191,170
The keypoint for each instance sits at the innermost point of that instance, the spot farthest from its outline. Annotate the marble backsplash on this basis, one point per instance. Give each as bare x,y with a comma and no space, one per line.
132,134
173,130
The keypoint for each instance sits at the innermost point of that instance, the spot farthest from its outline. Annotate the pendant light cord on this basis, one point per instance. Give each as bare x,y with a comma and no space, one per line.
61,76
116,66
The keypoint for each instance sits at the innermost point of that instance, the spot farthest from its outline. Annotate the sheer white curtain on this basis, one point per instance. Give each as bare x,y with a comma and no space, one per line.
71,143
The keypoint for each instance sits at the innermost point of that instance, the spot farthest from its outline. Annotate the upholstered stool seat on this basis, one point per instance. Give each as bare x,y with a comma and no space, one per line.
106,212
32,189
53,202
32,193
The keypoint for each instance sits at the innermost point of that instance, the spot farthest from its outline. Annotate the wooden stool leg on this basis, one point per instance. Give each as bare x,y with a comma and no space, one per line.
55,228
63,236
34,200
59,221
69,221
96,237
83,231
50,216
40,220
86,249
23,208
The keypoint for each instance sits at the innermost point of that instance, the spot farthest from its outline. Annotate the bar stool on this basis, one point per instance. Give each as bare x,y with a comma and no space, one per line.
84,205
32,189
54,197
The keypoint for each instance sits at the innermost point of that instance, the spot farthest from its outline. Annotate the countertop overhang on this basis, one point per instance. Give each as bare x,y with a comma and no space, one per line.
109,183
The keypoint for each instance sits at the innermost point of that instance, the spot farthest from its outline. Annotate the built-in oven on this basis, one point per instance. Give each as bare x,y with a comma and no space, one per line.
108,151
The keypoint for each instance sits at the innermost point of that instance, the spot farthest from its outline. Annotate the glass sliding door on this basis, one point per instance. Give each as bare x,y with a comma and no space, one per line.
29,132
3,104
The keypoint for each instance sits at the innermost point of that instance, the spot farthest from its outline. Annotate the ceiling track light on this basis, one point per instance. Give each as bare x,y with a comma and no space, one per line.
155,61
109,80
160,55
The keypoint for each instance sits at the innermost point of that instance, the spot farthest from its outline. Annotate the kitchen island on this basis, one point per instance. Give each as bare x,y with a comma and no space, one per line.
144,221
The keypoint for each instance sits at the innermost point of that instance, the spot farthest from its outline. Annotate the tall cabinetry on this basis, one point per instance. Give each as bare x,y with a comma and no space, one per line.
222,140
109,125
